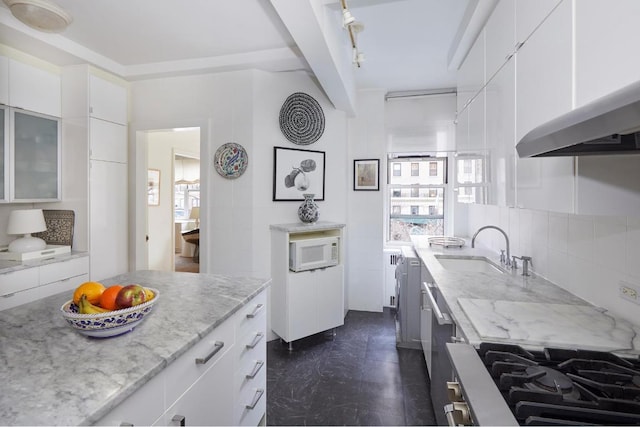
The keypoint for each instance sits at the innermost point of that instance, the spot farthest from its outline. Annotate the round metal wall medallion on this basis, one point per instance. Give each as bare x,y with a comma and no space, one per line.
301,119
231,160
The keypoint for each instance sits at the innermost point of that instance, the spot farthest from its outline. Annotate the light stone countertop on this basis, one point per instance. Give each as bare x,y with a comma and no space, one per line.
529,311
52,375
301,227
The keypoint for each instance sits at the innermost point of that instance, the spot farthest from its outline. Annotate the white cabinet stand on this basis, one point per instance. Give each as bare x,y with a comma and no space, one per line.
307,302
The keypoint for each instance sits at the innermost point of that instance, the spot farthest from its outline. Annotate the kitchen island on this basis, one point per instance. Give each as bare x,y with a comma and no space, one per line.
528,311
52,375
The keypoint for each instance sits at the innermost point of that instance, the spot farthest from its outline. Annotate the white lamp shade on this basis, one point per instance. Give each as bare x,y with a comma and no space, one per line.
25,221
195,213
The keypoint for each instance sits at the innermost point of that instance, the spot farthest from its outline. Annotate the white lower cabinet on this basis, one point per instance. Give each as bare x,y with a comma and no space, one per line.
30,284
219,381
207,401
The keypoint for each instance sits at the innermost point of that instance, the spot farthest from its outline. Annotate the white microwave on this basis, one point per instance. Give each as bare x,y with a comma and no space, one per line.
310,253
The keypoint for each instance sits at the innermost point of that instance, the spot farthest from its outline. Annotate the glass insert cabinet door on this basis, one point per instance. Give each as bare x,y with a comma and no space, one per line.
36,157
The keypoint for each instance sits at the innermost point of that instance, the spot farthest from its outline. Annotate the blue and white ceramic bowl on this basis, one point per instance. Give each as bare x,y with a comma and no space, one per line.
110,323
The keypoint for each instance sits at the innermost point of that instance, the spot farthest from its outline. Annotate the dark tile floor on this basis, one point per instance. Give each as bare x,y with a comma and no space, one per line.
357,378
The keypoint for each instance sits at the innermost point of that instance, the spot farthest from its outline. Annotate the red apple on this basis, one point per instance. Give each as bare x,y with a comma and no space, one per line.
130,295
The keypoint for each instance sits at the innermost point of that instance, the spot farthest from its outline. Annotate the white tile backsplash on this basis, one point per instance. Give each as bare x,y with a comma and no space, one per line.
580,237
633,247
587,255
610,241
558,231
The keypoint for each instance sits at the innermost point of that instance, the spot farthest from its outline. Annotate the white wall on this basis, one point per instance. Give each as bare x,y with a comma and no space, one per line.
243,107
365,265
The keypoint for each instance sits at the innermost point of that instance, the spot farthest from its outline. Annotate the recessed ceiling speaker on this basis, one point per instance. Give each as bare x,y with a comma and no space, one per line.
43,15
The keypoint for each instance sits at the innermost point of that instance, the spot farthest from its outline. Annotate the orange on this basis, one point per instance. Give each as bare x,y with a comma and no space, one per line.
92,290
108,297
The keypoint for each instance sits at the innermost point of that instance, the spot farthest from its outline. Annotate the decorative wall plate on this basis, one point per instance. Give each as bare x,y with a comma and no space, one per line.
231,160
301,119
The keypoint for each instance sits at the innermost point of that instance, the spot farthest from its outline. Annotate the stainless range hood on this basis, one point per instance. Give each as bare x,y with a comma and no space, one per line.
608,125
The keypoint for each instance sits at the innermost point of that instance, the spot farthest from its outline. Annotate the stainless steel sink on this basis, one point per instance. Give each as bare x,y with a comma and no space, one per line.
469,264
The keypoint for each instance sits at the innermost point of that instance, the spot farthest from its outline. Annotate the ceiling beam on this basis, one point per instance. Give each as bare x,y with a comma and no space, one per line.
319,35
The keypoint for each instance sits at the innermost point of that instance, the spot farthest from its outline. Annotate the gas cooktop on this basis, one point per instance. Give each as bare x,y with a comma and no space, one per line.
565,387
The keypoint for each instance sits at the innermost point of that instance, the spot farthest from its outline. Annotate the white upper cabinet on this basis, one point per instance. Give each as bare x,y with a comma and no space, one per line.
471,77
500,135
34,89
476,141
606,47
544,72
500,36
107,141
35,155
108,101
529,15
4,80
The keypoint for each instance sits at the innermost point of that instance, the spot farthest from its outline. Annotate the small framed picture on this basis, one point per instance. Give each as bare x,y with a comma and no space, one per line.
366,175
153,187
297,172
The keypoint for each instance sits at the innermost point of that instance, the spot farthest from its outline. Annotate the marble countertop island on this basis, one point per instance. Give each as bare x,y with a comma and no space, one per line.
528,311
52,375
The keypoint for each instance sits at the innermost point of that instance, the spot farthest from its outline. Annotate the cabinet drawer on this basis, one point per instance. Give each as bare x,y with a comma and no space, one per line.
251,404
252,316
18,298
19,280
65,285
57,271
185,371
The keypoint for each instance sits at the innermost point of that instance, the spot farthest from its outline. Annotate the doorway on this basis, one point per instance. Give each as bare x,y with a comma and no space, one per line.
162,211
186,202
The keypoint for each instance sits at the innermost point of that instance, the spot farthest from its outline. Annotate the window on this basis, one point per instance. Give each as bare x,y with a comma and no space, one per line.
416,202
470,179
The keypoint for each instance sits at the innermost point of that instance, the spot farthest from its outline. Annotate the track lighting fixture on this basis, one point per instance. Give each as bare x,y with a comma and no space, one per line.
347,18
353,27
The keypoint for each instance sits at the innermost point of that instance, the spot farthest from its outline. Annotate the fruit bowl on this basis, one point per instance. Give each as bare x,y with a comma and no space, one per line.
110,323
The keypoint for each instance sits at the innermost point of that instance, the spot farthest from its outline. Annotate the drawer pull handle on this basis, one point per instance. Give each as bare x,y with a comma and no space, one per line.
259,364
256,340
255,311
256,398
180,419
216,348
126,424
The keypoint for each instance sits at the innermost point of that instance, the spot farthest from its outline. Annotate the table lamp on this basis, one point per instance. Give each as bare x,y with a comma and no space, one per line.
195,214
25,222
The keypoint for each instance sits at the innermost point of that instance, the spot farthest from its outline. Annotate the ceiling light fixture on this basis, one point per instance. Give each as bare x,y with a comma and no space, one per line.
353,27
43,15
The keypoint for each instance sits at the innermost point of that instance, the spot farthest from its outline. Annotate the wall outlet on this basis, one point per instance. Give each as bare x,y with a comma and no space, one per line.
629,292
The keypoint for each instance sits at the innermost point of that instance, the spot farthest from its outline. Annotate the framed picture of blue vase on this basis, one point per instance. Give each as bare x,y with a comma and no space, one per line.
296,173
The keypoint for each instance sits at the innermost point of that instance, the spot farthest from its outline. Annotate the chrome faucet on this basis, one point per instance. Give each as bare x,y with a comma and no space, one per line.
506,262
